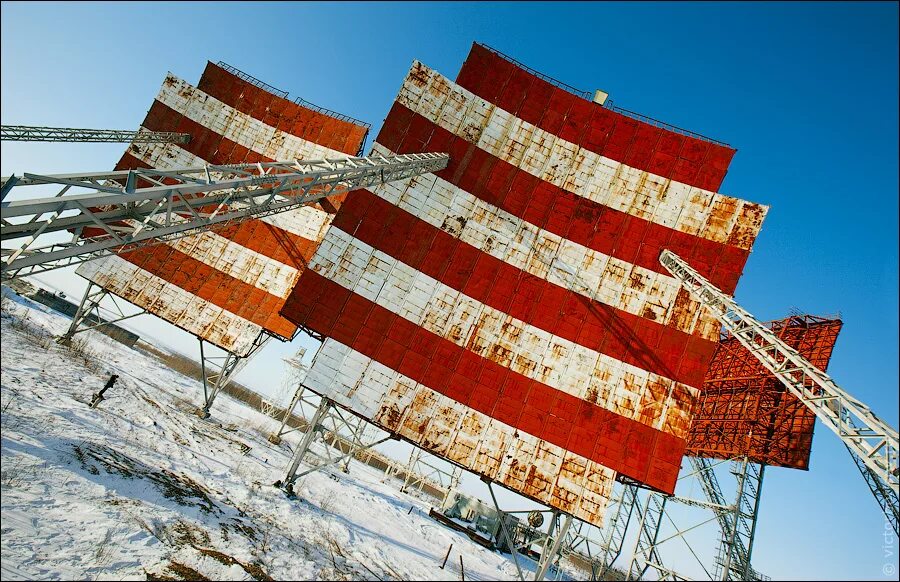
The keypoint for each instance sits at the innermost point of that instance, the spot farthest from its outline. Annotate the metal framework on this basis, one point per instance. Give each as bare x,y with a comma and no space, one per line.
745,411
646,554
70,134
613,539
738,525
736,522
217,371
872,442
253,80
550,552
419,473
88,315
555,543
416,473
296,374
135,208
326,425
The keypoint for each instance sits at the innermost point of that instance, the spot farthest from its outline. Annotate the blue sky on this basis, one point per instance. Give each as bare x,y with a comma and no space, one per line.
807,92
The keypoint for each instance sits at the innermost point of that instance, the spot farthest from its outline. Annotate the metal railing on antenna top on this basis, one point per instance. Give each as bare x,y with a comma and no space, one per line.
284,95
299,101
253,80
555,82
304,103
661,124
608,105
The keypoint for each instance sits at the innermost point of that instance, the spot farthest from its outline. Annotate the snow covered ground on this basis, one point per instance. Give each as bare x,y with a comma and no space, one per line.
140,488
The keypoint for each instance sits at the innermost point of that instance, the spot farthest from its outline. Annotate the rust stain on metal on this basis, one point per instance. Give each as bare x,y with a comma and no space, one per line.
501,355
683,310
747,226
389,416
454,225
439,434
559,351
637,281
652,401
720,217
474,342
511,332
524,365
419,415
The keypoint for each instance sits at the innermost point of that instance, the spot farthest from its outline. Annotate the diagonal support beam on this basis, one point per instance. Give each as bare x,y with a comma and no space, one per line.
871,441
137,208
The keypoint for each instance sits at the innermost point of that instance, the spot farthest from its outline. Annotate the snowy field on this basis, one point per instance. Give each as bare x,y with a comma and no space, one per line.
140,488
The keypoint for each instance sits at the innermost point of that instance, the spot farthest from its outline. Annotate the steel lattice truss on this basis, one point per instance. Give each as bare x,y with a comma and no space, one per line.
134,208
659,535
69,134
868,438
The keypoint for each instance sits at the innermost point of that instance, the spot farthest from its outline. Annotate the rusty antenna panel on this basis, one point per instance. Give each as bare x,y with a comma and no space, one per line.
227,286
509,313
745,411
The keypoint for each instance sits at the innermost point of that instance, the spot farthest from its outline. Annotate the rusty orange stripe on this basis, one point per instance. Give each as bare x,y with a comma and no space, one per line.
634,449
635,340
583,221
220,289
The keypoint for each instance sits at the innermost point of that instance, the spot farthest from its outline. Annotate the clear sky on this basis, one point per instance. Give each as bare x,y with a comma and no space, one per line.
807,93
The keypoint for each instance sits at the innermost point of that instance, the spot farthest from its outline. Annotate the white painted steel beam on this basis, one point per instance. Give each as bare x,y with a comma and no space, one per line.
868,438
179,202
70,134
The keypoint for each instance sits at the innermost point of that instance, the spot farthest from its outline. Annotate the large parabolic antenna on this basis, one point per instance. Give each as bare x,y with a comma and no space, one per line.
510,313
226,286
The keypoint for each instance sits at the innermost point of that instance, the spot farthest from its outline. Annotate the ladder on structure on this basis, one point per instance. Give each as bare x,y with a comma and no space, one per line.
129,209
872,443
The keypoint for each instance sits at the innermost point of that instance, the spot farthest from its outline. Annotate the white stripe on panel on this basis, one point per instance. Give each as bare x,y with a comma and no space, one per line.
590,273
688,209
622,388
172,303
454,430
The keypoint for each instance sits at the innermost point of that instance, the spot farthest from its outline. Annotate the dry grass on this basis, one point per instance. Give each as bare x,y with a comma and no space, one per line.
16,472
103,552
79,349
184,572
178,487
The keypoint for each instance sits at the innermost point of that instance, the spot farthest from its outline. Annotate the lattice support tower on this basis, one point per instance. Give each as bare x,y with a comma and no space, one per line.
217,371
88,316
646,555
417,473
619,517
872,443
658,531
137,208
739,524
331,426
